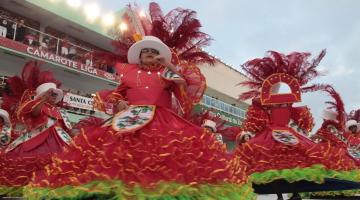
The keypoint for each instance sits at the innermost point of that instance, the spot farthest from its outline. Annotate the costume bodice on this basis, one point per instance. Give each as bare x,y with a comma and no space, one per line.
145,87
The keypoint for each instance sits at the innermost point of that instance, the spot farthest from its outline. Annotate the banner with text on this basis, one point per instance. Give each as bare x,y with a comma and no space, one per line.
77,101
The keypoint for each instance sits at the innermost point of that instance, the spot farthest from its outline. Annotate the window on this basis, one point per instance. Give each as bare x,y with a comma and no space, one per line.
222,106
207,101
226,108
213,102
242,114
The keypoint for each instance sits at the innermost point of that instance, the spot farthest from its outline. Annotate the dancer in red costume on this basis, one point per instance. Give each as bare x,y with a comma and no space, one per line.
332,134
5,129
352,129
146,151
281,148
46,127
243,137
216,126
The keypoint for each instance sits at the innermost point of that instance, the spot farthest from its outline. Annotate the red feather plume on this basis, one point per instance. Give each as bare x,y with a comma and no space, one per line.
295,64
179,30
337,104
355,115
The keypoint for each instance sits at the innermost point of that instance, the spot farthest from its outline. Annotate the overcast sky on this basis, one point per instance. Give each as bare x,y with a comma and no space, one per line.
243,30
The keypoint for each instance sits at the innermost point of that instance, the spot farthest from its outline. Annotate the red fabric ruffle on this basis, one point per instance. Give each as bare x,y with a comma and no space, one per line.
19,164
167,149
263,153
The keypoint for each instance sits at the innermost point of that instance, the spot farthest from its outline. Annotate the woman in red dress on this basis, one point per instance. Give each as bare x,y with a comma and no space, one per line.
281,147
147,151
46,128
333,133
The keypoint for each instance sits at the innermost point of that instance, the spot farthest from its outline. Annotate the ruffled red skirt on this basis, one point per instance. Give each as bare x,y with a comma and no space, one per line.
167,149
339,156
18,165
264,153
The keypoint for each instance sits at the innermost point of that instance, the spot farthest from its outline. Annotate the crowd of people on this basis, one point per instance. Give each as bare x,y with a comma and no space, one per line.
27,31
12,28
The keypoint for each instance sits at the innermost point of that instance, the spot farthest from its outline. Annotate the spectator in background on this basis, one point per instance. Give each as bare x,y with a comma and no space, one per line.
20,31
44,44
52,45
88,60
72,52
65,46
30,38
3,27
11,30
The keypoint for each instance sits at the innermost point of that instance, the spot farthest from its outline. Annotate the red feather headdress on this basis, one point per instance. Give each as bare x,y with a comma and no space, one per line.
179,30
295,64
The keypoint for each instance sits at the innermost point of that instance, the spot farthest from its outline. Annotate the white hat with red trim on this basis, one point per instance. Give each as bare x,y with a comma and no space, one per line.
41,89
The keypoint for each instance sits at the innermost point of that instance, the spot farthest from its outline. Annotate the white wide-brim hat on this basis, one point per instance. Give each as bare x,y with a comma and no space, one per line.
330,115
352,123
5,115
209,124
245,133
41,89
148,42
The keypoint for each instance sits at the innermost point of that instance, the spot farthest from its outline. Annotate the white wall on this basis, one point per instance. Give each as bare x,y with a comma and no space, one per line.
224,79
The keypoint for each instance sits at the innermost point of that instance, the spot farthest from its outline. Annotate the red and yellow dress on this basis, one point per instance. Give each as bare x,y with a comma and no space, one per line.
282,150
152,155
32,150
340,146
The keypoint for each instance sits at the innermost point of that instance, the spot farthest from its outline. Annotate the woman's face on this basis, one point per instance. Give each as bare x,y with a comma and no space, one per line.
52,98
246,138
353,129
209,129
147,56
